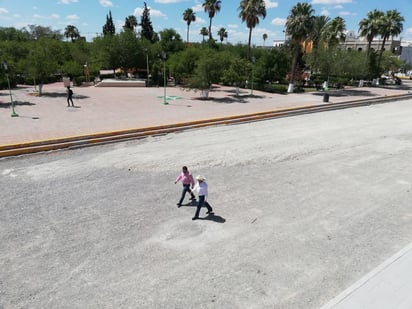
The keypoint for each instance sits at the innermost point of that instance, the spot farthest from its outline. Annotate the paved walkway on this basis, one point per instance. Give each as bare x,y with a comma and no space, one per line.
101,109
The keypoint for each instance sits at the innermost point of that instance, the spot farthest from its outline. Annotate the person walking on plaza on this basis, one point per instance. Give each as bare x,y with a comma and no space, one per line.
69,96
201,188
188,182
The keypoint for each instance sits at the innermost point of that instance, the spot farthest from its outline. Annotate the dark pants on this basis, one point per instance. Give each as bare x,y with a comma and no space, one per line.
202,203
69,99
186,188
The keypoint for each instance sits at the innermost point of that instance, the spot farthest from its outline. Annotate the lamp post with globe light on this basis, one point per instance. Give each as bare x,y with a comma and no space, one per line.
6,69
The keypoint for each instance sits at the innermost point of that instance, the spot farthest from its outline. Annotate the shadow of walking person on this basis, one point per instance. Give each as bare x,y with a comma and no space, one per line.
215,218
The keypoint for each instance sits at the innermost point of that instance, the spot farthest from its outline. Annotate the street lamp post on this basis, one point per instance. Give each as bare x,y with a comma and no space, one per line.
147,66
253,71
164,77
6,68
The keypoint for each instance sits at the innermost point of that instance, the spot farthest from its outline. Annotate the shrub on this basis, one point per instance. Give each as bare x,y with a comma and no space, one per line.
275,88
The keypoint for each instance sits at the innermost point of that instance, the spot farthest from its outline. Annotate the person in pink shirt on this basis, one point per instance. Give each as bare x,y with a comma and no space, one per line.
188,182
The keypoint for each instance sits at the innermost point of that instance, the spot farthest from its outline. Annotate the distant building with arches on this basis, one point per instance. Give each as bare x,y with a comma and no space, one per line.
360,43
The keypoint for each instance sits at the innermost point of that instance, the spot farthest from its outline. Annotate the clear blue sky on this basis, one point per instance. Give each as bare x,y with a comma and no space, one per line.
90,15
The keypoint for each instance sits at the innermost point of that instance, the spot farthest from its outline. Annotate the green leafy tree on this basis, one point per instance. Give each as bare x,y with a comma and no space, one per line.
209,70
299,25
211,7
71,32
43,60
12,34
109,28
171,41
183,63
272,65
189,16
107,51
250,12
38,32
237,72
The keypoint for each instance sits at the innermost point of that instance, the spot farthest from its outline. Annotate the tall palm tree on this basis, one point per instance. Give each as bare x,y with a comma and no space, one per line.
390,25
71,32
334,32
222,33
316,35
369,26
188,17
211,7
250,11
299,25
264,37
204,32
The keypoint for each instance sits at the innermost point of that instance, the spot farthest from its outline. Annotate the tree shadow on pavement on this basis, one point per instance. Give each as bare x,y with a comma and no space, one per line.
62,95
347,93
16,103
234,99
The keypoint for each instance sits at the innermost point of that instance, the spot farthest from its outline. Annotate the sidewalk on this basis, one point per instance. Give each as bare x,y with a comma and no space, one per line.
104,109
389,286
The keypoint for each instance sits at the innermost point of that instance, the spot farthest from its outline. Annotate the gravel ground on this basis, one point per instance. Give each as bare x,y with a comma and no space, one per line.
304,207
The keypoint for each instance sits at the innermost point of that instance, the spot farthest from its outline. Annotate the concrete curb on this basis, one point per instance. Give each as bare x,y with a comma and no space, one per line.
112,136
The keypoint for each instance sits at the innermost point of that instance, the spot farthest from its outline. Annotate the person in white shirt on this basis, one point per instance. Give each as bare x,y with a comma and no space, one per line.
201,188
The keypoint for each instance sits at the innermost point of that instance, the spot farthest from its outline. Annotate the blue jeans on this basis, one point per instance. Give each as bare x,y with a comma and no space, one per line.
201,203
186,188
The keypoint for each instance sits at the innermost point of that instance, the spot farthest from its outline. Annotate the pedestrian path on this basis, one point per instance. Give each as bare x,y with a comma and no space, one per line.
108,109
389,286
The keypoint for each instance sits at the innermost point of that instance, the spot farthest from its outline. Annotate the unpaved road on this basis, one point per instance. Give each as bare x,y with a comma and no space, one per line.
304,207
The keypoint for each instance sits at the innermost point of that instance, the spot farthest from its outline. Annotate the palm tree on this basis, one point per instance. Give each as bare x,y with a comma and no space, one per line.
264,37
188,17
369,26
71,32
250,11
390,25
299,25
204,32
316,35
222,33
334,32
211,7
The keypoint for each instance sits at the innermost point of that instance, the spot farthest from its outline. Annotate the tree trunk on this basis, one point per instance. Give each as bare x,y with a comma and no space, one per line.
210,29
381,51
249,43
291,87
